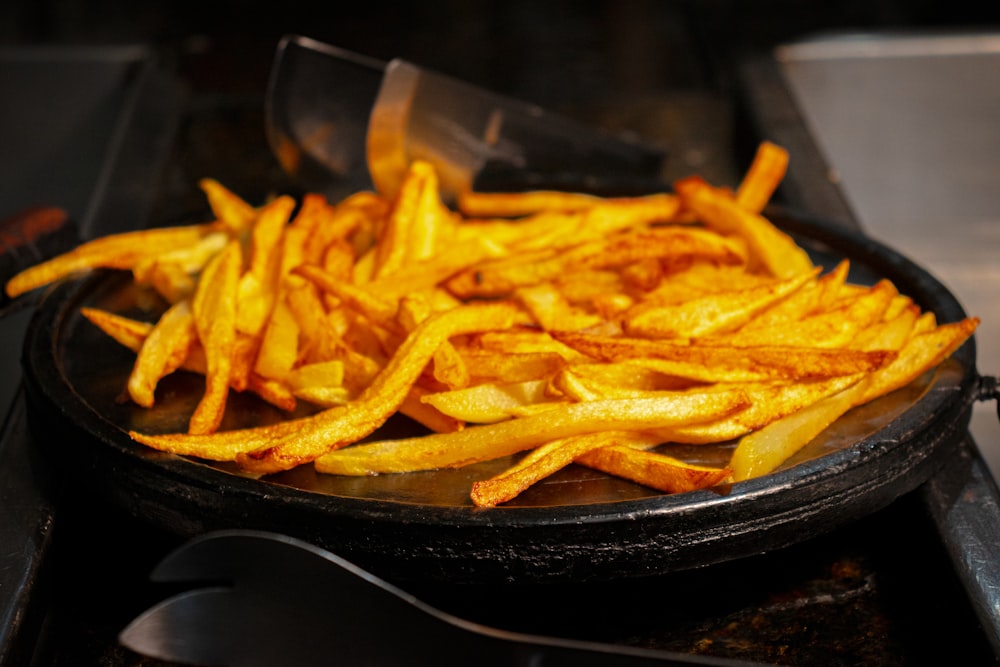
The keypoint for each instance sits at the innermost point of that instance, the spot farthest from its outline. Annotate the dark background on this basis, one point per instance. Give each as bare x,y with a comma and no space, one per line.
600,47
662,68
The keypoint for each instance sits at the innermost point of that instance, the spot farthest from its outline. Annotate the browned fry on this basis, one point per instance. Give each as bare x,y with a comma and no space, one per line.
814,297
491,441
709,314
762,451
548,459
234,213
258,286
762,178
270,449
119,251
414,222
214,308
332,430
132,333
835,327
771,249
657,471
517,204
668,244
163,351
367,302
126,331
564,326
722,363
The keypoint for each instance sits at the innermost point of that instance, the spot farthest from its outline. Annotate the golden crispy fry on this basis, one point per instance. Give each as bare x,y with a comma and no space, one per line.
126,331
653,208
713,313
832,328
258,285
333,429
214,308
814,297
769,401
414,407
770,248
762,178
169,279
285,445
490,441
279,344
657,471
723,363
553,311
489,402
668,244
512,367
547,459
132,333
762,451
517,204
120,251
686,318
413,224
233,212
163,351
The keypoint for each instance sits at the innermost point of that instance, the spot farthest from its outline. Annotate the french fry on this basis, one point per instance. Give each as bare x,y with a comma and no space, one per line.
489,402
230,210
126,331
832,328
214,308
119,251
669,244
724,363
714,313
279,447
547,459
763,177
491,441
163,351
772,249
574,328
257,290
763,451
657,471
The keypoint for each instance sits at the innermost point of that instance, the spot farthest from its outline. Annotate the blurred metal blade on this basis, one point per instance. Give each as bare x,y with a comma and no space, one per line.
480,139
339,122
266,599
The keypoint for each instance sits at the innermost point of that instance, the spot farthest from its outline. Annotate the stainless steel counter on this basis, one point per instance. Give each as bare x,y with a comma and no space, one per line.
910,125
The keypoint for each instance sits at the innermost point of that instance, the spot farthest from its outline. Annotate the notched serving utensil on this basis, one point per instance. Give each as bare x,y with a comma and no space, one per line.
271,599
340,121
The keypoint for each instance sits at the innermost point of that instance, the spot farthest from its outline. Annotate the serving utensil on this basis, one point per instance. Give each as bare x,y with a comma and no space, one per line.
271,599
339,121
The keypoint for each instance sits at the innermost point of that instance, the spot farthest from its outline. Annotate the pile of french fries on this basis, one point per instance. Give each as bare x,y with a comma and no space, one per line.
562,327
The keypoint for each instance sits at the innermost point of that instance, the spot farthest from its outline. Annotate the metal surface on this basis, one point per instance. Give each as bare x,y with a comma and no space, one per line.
358,118
267,598
908,126
963,501
576,526
62,154
903,132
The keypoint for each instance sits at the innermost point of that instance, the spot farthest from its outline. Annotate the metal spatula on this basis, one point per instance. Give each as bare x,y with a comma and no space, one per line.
339,121
270,599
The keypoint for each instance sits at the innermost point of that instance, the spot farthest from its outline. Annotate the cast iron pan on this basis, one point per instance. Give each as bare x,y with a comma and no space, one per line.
577,526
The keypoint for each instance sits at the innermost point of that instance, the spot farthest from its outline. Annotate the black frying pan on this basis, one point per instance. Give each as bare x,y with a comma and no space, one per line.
578,525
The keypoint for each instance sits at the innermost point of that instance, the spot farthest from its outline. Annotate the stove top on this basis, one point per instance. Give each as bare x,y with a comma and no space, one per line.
79,572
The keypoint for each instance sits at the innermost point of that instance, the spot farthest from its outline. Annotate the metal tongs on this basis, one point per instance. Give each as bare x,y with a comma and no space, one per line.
340,122
271,599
